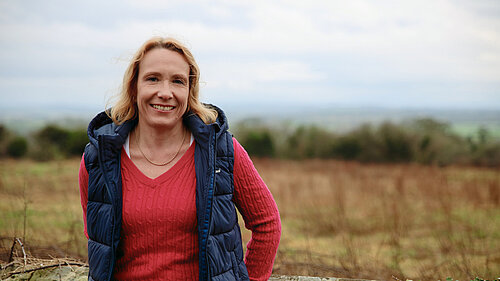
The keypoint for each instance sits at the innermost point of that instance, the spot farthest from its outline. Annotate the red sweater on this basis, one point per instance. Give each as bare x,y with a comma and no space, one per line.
159,238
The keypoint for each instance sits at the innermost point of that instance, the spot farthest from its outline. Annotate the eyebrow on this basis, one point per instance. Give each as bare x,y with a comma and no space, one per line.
176,76
180,76
151,73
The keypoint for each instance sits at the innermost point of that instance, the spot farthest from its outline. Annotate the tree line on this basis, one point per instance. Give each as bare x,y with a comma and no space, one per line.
424,141
49,143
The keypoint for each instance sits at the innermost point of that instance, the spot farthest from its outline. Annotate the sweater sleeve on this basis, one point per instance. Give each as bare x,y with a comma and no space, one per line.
83,181
260,213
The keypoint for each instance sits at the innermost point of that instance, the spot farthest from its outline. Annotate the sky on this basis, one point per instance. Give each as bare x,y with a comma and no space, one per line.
255,54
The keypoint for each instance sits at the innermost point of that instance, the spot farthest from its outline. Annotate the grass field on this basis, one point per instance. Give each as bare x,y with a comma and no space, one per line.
340,219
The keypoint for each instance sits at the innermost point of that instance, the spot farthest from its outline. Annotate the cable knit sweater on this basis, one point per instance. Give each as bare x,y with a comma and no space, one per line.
159,233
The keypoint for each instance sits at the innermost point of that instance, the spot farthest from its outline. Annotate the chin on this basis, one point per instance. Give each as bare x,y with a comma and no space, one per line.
166,124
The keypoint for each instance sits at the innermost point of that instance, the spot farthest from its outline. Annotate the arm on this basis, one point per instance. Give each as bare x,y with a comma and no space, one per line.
83,181
260,213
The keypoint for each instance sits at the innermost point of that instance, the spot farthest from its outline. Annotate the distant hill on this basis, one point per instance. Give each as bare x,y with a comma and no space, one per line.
334,118
342,119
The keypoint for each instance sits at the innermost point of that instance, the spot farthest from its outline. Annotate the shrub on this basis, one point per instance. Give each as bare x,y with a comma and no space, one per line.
369,143
396,144
3,133
17,147
436,143
52,134
76,142
258,143
309,142
347,148
55,142
3,138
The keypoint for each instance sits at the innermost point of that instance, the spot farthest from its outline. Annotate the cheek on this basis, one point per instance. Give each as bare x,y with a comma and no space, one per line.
185,98
184,104
140,96
142,106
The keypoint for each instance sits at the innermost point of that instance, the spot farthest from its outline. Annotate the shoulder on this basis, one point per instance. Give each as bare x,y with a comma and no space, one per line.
225,143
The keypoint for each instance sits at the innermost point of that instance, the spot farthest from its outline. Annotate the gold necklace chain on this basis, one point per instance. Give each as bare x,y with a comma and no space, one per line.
159,164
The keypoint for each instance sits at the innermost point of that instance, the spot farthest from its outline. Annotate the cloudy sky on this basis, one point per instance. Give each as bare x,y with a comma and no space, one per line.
390,53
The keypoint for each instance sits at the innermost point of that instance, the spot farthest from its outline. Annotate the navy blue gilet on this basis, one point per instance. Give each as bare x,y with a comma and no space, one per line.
220,247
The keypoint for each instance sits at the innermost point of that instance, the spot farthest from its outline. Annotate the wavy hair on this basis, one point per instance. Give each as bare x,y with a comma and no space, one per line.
125,107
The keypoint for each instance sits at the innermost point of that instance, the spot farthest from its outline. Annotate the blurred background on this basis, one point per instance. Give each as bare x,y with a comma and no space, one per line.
376,125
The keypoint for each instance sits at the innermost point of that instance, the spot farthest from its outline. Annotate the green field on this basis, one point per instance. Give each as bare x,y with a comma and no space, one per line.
471,129
340,219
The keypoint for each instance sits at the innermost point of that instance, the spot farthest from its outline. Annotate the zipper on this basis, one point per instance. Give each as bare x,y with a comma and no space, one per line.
211,195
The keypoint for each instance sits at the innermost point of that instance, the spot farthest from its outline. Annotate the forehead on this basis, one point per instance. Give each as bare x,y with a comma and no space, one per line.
161,60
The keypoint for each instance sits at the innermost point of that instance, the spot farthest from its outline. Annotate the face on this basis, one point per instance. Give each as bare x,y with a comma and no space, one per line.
162,88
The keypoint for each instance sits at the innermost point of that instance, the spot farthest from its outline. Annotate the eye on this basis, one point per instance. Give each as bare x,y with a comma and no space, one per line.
179,81
152,79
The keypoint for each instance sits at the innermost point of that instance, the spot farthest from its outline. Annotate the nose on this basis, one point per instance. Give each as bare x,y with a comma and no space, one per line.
164,91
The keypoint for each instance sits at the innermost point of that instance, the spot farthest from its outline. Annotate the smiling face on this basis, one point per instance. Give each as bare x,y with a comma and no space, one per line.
162,88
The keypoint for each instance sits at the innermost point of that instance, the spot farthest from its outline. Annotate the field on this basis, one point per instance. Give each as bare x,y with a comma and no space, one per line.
340,219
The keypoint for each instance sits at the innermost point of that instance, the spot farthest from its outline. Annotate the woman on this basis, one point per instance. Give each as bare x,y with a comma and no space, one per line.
160,179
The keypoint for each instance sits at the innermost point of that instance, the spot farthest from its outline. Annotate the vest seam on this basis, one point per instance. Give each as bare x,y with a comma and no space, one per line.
99,202
223,272
223,232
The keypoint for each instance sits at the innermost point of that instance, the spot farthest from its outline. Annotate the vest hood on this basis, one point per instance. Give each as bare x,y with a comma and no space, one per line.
200,130
102,126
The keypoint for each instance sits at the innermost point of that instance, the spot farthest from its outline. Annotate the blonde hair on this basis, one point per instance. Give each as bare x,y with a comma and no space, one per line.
125,107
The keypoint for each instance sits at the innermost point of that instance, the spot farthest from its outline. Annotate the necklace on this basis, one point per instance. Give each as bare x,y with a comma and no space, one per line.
159,164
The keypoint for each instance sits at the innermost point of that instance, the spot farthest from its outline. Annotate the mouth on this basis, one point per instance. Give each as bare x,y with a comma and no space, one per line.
162,107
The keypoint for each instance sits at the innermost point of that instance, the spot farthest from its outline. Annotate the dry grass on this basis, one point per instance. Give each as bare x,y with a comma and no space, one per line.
339,219
378,221
46,197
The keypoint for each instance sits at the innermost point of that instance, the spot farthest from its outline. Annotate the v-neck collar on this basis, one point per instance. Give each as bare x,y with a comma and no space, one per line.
127,163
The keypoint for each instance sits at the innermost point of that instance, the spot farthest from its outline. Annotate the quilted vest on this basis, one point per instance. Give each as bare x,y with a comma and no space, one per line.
220,246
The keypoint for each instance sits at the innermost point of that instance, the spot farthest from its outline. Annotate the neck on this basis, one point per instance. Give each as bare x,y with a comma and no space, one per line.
160,137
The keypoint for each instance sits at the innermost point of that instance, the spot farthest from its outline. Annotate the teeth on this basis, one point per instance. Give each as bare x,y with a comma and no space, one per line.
163,108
